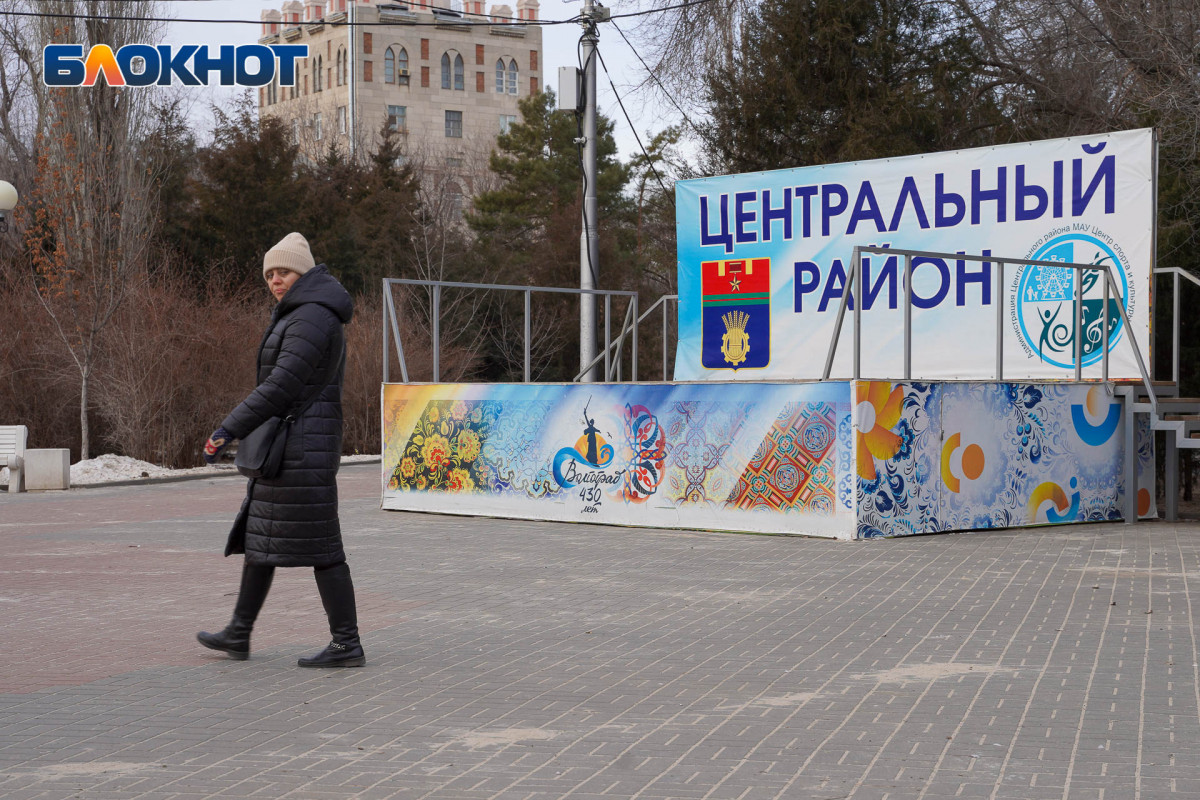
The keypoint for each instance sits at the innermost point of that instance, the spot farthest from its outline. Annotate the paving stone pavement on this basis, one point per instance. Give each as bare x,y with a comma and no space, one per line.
514,660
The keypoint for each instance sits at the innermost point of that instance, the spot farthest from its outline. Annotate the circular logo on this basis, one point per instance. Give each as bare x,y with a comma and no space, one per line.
1045,302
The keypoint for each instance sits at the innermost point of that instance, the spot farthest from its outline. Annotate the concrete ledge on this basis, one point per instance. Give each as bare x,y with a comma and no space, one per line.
47,470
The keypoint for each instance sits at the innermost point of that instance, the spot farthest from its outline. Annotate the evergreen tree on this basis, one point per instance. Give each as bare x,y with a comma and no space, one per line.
528,232
821,81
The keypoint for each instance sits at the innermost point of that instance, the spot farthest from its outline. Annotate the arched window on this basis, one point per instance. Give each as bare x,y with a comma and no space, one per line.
512,76
341,66
389,66
459,81
402,60
500,76
445,70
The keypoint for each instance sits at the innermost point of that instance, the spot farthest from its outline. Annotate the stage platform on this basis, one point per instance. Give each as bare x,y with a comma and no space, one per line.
838,459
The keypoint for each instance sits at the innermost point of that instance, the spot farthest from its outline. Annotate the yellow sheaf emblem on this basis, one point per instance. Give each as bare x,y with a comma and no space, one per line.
735,343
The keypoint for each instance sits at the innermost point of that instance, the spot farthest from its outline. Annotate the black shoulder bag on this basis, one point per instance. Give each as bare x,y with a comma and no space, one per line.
260,453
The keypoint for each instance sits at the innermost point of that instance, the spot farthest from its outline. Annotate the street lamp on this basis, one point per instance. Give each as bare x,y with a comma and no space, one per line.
8,201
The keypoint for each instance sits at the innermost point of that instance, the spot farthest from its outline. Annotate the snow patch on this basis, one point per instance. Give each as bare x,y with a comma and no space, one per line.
109,468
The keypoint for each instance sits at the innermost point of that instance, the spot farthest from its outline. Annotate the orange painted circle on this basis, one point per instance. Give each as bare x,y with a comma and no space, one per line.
972,462
1143,502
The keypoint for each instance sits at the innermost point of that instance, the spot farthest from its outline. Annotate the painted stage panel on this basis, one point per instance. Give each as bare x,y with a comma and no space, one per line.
770,458
972,456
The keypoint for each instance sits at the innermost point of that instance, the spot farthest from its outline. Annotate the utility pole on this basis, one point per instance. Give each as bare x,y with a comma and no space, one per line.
589,249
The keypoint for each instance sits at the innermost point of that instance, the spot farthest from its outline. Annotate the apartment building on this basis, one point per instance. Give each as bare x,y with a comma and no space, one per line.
446,77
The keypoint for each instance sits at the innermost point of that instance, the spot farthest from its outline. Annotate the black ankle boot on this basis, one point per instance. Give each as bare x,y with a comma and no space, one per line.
337,596
336,655
235,638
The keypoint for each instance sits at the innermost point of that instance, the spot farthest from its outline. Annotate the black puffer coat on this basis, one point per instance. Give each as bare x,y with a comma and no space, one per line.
292,520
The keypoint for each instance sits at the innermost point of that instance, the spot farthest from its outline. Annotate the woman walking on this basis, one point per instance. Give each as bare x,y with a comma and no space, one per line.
291,520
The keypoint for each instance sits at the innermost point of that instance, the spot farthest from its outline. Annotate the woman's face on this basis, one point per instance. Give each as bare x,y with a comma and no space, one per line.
279,280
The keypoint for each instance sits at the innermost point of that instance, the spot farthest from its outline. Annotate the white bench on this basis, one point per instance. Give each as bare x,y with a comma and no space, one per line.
12,454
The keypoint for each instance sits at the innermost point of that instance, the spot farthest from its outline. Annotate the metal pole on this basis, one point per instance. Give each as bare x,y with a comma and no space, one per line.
1105,277
391,307
633,376
527,326
837,328
1079,324
664,341
589,261
1000,304
1174,333
607,337
908,269
386,350
437,333
856,270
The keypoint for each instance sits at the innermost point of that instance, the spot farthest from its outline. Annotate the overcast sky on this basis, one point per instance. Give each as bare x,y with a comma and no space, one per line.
558,46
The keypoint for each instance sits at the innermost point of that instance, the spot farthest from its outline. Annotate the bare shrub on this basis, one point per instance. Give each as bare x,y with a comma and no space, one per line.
174,366
38,389
364,366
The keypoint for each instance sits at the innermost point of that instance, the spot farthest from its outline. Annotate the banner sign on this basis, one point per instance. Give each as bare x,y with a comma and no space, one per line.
764,259
743,457
934,457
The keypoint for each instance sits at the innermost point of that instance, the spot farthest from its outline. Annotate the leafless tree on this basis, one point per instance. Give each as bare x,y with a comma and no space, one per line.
89,206
1082,66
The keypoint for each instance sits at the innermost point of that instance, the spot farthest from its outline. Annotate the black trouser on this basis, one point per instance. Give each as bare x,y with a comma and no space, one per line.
333,583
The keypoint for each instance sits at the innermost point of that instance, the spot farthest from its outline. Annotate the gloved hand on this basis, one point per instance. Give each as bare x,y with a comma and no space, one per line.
216,445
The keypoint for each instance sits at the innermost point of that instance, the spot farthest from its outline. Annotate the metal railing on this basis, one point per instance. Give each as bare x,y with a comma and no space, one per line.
1177,274
391,321
855,280
631,331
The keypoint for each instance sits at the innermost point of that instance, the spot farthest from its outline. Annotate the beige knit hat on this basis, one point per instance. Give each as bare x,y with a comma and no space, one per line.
291,253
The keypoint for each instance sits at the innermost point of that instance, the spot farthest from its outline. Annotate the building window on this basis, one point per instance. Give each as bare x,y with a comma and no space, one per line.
445,70
512,76
366,44
367,70
506,122
317,127
454,200
500,76
341,116
402,63
317,76
459,84
397,118
341,66
295,131
389,66
454,163
454,124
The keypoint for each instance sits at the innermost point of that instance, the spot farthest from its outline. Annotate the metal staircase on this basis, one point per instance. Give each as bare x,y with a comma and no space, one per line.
1177,417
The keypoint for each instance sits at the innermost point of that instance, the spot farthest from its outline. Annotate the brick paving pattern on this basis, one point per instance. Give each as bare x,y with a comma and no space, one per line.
513,660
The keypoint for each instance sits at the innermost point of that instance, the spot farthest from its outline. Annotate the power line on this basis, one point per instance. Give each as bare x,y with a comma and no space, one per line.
345,23
654,76
340,24
649,162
